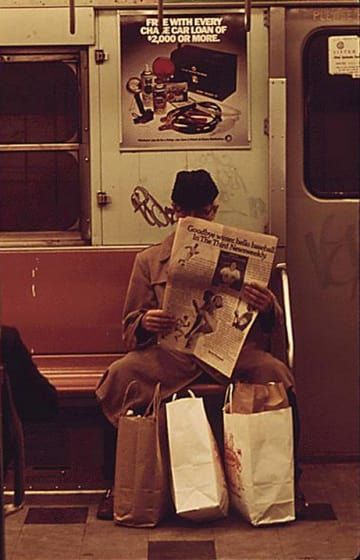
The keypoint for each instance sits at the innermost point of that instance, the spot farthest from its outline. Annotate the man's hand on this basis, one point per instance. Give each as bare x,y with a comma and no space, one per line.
157,321
262,299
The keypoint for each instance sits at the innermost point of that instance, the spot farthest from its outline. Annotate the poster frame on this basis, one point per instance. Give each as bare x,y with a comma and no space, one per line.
174,12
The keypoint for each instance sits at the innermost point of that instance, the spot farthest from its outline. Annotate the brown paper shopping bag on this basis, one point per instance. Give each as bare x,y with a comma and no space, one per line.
252,397
198,481
259,463
141,489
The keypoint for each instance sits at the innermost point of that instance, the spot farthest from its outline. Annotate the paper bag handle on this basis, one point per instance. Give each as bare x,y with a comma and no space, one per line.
154,404
229,396
191,393
124,406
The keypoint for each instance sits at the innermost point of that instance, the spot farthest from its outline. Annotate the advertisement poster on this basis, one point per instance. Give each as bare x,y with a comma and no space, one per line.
344,55
184,86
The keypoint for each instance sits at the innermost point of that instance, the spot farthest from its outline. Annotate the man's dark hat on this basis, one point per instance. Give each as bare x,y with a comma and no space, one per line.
194,189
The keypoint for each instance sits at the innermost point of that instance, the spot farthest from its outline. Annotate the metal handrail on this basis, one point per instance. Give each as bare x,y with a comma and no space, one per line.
289,331
2,513
247,15
160,14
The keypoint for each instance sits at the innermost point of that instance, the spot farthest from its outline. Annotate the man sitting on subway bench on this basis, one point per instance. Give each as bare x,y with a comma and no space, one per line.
194,194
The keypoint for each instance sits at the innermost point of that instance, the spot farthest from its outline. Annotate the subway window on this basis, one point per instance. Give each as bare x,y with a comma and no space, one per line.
40,191
44,186
331,114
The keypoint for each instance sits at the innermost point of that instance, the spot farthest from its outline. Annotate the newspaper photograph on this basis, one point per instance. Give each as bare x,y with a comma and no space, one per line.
209,264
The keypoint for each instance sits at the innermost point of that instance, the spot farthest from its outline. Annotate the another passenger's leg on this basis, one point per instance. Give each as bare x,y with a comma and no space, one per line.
34,397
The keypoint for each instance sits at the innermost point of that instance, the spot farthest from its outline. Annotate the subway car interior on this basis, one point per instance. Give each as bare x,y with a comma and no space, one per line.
265,96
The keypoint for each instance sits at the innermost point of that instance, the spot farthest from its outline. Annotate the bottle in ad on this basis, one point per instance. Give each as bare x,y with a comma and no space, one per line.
147,86
159,98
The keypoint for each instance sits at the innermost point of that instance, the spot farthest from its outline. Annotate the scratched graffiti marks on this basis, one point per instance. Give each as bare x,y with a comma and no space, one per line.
154,214
234,194
227,176
334,254
234,190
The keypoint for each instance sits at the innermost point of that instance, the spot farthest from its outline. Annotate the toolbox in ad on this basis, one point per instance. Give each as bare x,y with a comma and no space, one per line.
184,86
209,72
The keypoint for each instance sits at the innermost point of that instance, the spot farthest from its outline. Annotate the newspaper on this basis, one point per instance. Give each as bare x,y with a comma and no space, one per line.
209,264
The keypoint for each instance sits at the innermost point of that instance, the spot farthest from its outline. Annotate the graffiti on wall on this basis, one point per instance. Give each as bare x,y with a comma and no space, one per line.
153,212
334,254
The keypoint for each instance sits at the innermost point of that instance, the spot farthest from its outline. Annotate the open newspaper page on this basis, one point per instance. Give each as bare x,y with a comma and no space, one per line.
209,264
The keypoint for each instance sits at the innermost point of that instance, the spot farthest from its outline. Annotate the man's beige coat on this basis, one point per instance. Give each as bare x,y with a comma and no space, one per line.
148,363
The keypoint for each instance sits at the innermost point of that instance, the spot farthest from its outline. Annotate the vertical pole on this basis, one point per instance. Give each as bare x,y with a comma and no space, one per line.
72,16
2,512
160,15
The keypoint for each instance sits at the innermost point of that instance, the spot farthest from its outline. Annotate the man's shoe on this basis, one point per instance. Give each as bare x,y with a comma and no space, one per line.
105,509
301,505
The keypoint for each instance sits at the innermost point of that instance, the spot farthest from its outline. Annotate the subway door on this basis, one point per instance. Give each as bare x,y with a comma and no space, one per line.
323,224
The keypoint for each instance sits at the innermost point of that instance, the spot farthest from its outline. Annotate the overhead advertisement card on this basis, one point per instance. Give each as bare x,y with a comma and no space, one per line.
185,85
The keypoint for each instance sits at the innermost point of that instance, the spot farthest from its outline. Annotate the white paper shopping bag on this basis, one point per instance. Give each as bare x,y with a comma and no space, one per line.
259,463
198,481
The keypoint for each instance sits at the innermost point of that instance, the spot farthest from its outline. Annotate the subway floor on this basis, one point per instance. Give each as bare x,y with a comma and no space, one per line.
65,527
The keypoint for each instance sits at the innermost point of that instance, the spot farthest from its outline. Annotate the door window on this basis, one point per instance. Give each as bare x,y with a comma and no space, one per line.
331,122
